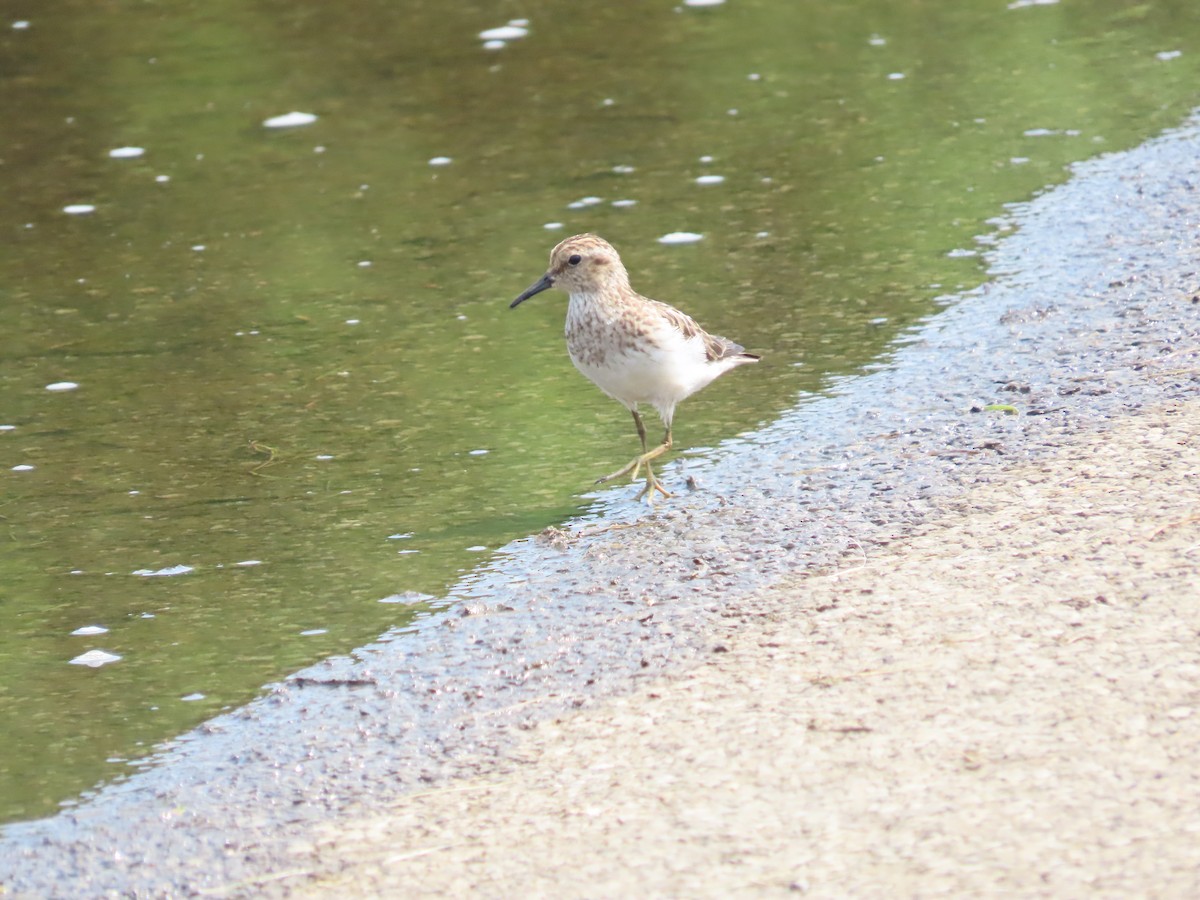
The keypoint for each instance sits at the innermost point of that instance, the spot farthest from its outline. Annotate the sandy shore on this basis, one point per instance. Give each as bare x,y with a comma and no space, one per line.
1007,702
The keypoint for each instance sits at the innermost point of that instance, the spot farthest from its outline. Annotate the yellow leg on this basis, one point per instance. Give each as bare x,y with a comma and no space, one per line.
635,465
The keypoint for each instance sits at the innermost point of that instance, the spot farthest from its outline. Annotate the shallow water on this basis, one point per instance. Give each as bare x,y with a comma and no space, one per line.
298,390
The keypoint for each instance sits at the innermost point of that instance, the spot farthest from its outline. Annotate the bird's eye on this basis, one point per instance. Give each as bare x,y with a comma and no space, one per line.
575,259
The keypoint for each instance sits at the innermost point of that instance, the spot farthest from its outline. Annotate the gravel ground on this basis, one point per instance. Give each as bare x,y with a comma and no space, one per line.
1005,703
897,641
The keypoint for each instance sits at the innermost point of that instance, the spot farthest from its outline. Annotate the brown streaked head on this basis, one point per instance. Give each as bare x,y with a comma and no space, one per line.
583,264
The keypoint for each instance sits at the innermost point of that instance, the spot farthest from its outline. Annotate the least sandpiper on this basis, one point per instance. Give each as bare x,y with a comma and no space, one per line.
635,349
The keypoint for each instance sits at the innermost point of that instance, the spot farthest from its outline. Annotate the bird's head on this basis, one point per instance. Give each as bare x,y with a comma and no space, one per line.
583,264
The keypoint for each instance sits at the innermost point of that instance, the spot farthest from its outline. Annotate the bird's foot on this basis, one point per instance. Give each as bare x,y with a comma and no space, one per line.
634,466
652,484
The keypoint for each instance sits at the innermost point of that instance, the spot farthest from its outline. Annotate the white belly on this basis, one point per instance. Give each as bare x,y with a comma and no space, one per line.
661,373
637,355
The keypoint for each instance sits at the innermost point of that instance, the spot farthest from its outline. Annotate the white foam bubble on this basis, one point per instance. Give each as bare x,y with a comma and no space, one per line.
290,120
79,209
165,572
62,386
681,237
441,161
95,659
710,179
89,630
126,152
504,33
23,467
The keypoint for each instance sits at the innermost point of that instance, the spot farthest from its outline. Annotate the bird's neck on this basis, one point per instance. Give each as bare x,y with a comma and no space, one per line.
604,305
609,295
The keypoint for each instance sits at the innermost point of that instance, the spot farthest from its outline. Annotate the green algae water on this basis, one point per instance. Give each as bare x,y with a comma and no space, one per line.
261,394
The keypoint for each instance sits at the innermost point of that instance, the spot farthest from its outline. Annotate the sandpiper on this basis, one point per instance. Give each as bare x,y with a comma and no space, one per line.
635,349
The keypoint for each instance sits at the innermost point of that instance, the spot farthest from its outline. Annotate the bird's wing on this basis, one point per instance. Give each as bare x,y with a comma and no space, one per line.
715,347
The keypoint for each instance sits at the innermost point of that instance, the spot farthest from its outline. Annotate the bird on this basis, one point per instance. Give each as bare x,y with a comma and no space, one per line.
636,350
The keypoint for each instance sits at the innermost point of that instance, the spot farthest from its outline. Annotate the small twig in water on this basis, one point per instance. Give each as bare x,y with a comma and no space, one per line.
272,458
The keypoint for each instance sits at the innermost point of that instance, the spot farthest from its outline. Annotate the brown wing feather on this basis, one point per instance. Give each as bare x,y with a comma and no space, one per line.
715,347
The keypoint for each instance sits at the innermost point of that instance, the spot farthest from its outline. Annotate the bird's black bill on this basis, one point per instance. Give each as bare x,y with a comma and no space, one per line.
545,283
